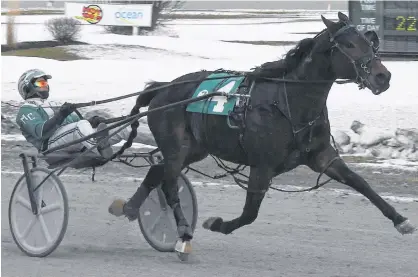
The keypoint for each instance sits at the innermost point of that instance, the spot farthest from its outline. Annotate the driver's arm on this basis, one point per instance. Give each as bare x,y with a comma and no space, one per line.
73,117
30,120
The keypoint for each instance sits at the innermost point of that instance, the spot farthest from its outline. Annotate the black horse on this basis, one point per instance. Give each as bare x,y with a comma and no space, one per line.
286,125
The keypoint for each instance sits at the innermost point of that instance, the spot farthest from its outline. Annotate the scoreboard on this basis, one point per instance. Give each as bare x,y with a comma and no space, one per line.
395,22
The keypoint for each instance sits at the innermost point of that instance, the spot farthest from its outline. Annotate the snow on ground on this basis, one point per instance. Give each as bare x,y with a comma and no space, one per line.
280,28
122,64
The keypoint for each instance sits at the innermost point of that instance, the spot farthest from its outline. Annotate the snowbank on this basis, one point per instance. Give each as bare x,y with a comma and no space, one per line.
379,143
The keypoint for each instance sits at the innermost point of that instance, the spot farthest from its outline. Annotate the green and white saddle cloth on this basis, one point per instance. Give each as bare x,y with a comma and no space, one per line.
218,105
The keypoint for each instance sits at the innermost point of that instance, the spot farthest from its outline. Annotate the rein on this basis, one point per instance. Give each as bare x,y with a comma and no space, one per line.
94,103
138,93
279,80
116,119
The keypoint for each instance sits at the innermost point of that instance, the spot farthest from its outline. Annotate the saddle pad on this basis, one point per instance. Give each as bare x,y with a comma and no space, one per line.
218,105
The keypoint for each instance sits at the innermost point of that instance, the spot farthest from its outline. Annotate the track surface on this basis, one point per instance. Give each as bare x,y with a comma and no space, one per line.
322,233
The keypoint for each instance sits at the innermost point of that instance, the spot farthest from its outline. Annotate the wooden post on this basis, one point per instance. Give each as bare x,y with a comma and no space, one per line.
13,11
135,30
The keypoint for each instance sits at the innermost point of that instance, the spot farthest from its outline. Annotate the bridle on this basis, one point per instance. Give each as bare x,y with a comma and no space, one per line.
362,64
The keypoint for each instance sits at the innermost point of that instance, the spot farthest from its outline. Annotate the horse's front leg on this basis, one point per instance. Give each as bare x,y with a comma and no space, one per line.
259,182
339,171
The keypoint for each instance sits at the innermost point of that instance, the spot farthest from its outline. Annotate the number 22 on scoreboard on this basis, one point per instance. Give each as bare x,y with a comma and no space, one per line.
410,26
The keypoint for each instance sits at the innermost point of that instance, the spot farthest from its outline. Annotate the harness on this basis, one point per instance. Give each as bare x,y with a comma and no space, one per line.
363,62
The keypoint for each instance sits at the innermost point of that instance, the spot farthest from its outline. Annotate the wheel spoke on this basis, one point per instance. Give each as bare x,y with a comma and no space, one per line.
155,223
28,228
44,228
50,208
25,203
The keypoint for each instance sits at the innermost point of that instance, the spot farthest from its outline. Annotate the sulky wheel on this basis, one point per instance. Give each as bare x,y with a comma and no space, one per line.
156,218
38,235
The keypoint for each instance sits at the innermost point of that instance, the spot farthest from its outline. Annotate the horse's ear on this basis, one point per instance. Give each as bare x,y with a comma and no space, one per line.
330,25
342,17
373,38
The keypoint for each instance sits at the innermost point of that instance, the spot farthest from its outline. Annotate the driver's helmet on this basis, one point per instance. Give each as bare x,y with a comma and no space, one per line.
27,86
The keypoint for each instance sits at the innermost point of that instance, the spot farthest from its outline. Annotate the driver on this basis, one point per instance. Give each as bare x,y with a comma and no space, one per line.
45,128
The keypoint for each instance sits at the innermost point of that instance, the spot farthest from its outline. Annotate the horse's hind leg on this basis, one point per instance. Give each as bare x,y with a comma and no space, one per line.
179,150
173,164
169,130
175,149
258,185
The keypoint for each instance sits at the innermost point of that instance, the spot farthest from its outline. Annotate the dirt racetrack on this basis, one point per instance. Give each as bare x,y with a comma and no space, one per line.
322,233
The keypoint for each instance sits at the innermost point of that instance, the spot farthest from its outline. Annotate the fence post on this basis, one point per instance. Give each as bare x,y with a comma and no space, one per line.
13,11
135,30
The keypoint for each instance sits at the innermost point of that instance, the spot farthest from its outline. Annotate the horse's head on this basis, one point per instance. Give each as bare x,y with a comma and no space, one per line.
354,55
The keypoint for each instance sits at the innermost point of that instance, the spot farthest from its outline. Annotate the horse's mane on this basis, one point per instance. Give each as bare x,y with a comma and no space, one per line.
290,61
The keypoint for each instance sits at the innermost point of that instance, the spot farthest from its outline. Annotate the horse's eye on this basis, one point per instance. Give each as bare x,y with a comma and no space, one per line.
349,44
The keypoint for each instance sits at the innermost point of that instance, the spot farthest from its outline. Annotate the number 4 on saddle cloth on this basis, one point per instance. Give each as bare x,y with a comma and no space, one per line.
220,105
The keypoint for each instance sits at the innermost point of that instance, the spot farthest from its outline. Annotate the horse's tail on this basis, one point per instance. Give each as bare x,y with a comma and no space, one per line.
143,100
150,91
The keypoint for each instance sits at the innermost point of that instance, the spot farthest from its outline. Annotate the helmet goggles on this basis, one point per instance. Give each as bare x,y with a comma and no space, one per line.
40,83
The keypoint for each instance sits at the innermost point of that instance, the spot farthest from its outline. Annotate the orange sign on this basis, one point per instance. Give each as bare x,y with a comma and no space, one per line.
92,14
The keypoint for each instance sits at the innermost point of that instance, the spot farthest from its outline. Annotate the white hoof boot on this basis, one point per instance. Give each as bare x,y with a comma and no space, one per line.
406,227
183,249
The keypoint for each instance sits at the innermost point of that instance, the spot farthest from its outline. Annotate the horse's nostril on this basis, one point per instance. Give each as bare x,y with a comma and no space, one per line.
382,78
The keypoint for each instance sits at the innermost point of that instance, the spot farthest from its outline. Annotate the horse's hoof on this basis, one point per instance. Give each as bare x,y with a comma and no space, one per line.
116,208
183,249
213,223
406,227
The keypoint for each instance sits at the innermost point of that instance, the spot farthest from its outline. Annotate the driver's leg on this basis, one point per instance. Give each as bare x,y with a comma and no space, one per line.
119,136
74,131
